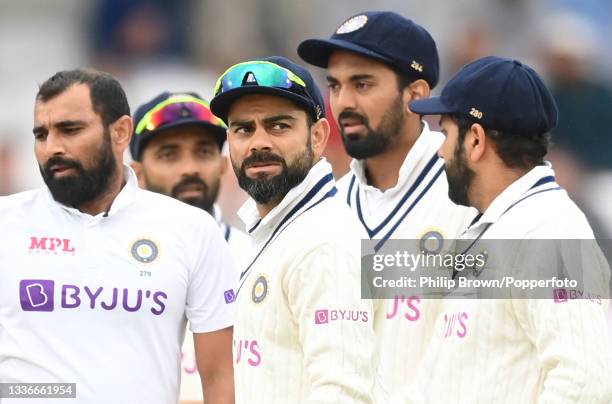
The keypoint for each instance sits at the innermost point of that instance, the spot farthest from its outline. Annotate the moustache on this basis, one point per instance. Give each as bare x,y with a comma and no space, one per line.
60,161
362,119
262,157
187,181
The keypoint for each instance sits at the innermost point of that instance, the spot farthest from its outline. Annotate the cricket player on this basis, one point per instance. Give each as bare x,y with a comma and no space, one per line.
302,333
496,114
376,63
97,276
176,148
176,151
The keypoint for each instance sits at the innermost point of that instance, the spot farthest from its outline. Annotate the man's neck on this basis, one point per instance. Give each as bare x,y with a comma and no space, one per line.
265,208
382,171
103,202
492,184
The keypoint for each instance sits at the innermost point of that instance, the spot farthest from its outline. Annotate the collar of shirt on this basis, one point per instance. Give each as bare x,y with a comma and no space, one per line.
217,215
125,197
417,152
512,194
260,229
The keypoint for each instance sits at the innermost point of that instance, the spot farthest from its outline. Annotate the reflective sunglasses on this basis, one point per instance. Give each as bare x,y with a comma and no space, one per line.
260,73
175,108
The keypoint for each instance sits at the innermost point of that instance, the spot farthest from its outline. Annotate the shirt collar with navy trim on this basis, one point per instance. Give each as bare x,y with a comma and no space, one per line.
514,192
260,228
415,155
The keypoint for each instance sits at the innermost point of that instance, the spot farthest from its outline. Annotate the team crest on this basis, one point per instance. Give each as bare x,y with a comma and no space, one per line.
352,24
431,242
260,289
144,251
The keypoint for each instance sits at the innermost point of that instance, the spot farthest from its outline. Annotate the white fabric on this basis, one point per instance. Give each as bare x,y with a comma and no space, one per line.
114,323
522,350
404,326
302,333
239,245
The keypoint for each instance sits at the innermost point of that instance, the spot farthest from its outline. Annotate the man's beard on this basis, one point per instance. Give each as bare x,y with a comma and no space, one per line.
85,185
206,201
376,141
264,189
459,177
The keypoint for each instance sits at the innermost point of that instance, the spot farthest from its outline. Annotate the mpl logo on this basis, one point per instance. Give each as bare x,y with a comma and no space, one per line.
50,245
36,294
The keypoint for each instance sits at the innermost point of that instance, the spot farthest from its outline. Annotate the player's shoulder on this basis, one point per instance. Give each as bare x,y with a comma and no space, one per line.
21,200
332,220
171,210
551,214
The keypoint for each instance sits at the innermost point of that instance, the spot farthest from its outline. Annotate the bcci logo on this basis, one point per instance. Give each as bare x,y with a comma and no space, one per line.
352,24
431,242
260,289
144,251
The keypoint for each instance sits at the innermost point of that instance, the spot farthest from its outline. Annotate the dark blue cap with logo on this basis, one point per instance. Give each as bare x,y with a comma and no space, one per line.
499,93
310,99
382,35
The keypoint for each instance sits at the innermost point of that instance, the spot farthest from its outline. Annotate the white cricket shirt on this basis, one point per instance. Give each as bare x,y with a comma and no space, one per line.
240,245
522,350
417,208
102,301
302,332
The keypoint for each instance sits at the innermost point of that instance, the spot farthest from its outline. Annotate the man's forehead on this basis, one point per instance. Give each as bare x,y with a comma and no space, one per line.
352,61
262,106
73,103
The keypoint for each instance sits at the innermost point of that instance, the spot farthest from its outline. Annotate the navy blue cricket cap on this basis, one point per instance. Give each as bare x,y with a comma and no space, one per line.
499,93
309,98
169,110
382,35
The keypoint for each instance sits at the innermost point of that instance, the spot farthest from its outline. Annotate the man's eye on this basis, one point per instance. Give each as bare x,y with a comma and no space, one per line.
242,130
167,155
280,126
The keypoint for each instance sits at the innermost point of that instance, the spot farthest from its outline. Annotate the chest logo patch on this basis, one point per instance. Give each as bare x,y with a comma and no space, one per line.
260,289
144,251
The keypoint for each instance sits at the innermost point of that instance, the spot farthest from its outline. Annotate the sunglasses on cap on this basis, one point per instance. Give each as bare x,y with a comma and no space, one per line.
176,108
263,74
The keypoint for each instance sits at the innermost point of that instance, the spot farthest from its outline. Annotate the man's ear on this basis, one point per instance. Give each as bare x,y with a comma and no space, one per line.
475,143
417,90
319,134
137,167
121,132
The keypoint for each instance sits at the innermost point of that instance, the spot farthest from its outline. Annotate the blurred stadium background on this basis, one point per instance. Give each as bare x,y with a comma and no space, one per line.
156,45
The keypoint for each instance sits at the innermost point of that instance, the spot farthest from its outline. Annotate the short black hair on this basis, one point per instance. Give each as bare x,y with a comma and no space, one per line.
517,150
404,79
107,96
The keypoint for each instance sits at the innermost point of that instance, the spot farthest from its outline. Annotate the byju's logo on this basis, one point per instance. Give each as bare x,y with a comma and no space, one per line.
51,245
230,296
325,316
321,316
560,295
36,295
